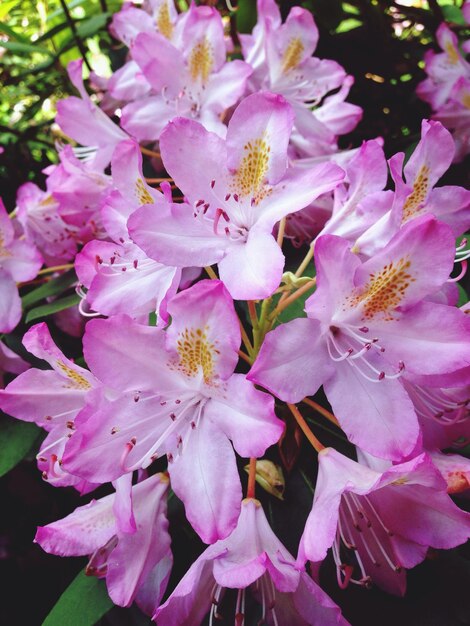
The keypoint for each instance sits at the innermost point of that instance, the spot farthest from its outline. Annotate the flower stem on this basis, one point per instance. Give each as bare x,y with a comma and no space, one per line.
150,153
250,490
245,357
305,428
56,268
281,231
287,301
303,266
211,273
299,271
319,409
159,180
246,339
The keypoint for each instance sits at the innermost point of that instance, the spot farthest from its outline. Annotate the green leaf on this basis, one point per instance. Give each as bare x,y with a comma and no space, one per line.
83,603
453,14
54,287
16,440
463,297
90,27
246,16
347,25
24,48
4,28
52,307
294,310
6,6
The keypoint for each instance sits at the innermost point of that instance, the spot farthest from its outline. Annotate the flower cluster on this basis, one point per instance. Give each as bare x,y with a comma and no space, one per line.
447,87
247,157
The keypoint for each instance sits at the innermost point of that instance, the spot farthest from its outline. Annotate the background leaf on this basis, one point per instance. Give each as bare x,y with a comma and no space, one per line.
54,287
83,603
16,440
52,307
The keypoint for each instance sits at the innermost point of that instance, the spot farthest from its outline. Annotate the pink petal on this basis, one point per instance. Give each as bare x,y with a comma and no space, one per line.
246,416
207,461
263,117
289,349
252,270
206,309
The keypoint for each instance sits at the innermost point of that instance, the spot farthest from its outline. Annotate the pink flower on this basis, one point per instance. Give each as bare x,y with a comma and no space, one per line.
238,189
188,75
417,194
455,115
179,397
79,189
119,276
281,55
82,120
135,559
10,362
43,226
251,558
443,69
51,399
383,520
19,261
368,324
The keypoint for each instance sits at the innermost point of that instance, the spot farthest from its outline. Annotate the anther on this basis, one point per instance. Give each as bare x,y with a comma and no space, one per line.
135,263
227,197
381,375
212,184
172,416
364,329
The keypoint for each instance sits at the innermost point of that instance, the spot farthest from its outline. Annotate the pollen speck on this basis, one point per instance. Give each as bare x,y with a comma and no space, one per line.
418,195
292,54
384,291
196,353
164,25
201,60
78,381
452,53
142,193
250,178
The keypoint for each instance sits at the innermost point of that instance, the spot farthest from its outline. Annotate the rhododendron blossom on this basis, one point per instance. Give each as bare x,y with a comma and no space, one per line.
386,520
18,262
237,190
253,558
193,375
187,408
369,325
